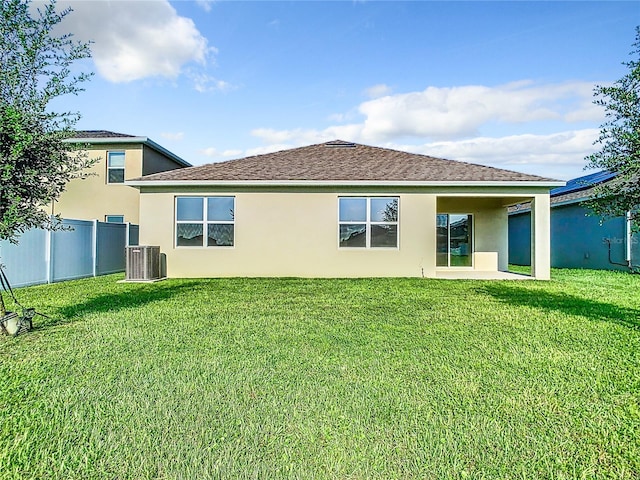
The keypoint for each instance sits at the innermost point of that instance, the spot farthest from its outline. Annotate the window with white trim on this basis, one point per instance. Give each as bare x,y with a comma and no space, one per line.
205,221
115,167
368,222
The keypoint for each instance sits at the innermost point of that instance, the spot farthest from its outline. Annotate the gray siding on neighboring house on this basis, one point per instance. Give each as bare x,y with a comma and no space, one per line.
577,239
155,162
520,238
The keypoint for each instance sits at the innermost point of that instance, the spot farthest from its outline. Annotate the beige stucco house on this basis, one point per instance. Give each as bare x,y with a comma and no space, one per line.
103,195
339,209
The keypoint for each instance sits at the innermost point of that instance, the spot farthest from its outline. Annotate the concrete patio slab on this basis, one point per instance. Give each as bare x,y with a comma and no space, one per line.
476,275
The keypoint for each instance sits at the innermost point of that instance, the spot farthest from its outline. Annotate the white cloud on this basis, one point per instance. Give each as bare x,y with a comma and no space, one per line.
307,136
469,124
270,135
267,149
175,136
206,83
439,114
137,39
448,122
378,91
458,112
232,153
209,152
337,117
568,147
205,4
216,155
562,152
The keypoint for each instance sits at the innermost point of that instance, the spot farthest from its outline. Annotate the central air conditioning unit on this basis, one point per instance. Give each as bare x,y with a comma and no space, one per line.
143,263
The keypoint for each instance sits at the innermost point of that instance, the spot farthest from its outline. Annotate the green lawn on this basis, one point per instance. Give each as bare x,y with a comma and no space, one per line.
348,379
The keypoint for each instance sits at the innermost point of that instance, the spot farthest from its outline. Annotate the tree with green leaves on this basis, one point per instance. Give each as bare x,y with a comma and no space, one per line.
35,161
620,144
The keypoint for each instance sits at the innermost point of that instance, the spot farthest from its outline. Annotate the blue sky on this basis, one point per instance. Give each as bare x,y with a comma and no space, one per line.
507,84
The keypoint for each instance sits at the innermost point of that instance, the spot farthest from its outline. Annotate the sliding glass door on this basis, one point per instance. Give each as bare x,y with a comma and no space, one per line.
454,240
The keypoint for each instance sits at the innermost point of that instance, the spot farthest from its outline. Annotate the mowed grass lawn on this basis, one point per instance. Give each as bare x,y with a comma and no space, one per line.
348,379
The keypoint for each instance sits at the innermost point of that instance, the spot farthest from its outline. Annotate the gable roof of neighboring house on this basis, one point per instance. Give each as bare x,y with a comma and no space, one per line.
339,163
579,188
107,137
575,191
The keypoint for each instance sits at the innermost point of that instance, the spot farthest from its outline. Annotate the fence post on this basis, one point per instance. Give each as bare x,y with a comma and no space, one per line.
48,245
95,246
127,232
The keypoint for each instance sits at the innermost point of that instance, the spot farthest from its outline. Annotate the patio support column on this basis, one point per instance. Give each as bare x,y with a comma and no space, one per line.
541,237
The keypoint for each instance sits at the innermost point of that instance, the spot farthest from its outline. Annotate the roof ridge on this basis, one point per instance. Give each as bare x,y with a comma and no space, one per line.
101,134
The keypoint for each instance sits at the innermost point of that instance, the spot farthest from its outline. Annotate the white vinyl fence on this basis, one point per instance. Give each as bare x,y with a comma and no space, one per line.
88,249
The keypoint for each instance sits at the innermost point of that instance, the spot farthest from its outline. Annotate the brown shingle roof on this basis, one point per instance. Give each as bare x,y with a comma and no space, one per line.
567,198
342,161
100,134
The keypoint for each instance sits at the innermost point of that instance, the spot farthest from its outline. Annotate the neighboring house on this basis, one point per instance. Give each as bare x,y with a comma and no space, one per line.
104,195
579,239
339,209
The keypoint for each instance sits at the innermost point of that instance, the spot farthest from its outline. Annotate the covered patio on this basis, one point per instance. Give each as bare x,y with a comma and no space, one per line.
478,275
472,235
